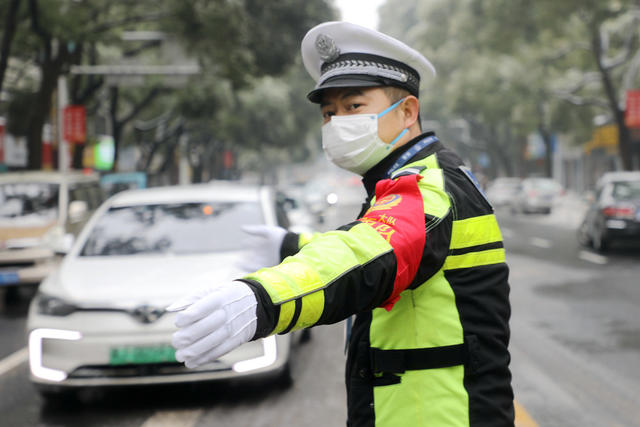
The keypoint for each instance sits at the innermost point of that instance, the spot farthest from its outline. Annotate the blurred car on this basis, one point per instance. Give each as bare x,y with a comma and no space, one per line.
536,195
334,188
613,215
40,212
298,217
502,190
100,319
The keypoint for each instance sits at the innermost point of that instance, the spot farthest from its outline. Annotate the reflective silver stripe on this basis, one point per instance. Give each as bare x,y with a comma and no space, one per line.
368,70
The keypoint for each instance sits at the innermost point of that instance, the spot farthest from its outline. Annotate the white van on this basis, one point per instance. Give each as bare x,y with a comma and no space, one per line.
40,213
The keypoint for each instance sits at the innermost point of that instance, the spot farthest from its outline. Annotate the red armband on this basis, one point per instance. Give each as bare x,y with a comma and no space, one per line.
398,216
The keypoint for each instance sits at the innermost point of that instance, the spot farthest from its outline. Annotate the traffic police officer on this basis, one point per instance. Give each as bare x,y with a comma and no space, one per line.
422,268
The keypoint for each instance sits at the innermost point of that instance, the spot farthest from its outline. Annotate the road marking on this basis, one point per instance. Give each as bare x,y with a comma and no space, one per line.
594,258
184,418
523,419
541,243
13,360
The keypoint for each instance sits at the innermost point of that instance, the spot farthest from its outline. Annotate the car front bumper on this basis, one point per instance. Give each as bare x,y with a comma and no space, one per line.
26,266
63,355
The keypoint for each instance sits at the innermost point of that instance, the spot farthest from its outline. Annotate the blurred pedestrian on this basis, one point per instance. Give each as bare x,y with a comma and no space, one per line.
422,268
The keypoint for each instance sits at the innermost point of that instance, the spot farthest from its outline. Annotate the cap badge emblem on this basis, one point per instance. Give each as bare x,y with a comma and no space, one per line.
327,48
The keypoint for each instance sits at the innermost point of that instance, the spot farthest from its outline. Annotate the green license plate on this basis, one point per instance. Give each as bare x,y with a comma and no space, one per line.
141,355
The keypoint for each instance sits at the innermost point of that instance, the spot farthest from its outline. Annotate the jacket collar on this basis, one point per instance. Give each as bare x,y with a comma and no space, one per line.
379,171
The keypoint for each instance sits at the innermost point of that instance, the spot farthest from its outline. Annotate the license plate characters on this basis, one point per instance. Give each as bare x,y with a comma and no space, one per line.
136,355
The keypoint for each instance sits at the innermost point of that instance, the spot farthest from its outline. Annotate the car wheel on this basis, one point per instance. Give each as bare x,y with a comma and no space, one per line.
600,243
583,235
305,336
285,379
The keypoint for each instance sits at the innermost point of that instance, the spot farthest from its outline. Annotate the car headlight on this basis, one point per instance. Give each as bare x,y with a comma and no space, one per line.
54,306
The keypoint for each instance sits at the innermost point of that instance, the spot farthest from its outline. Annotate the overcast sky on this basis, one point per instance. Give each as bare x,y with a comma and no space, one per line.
361,12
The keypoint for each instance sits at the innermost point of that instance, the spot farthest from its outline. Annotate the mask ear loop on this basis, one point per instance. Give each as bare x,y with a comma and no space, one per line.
397,138
394,105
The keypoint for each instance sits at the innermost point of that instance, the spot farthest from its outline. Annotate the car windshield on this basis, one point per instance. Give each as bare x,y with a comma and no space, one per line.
28,199
180,228
626,190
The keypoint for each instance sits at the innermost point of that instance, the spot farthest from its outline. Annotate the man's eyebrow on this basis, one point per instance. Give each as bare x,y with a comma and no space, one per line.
344,95
351,92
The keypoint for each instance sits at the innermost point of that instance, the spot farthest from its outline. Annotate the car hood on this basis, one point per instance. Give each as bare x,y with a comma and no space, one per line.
133,280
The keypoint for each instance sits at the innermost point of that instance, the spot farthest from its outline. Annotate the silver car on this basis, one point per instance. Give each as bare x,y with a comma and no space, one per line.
40,212
100,319
536,195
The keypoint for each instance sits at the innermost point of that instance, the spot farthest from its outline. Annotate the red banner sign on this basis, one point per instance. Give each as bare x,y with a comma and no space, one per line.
632,116
74,124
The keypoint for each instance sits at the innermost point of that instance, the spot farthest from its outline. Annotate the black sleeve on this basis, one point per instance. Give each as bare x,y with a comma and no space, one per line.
266,312
289,245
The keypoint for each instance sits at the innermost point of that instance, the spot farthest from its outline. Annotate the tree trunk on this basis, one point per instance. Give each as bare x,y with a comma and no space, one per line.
7,38
503,152
40,112
624,136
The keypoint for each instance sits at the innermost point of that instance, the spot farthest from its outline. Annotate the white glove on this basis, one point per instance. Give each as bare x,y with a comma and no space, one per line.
263,247
213,322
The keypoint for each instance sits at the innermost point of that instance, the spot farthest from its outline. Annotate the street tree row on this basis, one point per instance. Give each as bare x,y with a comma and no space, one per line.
507,68
247,95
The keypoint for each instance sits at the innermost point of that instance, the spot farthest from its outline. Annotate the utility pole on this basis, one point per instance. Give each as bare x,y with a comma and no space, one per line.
63,145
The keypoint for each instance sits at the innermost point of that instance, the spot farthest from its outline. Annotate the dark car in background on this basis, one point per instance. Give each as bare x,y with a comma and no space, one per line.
614,212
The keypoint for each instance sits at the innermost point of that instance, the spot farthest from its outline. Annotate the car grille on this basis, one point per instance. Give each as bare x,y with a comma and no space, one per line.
145,370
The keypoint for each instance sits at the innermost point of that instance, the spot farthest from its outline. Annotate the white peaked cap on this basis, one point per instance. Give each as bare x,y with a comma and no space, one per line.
342,54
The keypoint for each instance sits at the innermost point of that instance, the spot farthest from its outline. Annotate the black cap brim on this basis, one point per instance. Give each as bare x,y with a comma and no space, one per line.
315,95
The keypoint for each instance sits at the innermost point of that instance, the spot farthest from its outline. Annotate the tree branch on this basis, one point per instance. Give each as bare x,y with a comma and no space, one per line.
582,100
141,105
622,57
144,46
128,20
587,78
562,52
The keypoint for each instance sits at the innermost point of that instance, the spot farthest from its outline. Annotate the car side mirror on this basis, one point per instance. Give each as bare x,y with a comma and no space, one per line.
78,210
289,204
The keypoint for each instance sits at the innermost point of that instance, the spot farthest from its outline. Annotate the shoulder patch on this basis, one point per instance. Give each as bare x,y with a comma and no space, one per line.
472,178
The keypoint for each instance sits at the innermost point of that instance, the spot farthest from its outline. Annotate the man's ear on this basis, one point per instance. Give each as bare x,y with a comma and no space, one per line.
410,109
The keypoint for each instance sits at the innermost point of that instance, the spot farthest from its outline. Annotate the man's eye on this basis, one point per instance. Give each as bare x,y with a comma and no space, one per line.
354,106
327,114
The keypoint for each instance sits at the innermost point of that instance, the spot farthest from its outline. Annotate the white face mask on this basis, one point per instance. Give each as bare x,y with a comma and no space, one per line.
352,142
